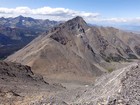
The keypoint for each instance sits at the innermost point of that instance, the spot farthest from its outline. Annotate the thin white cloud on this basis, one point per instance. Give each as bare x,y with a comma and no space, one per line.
63,14
44,12
122,20
102,20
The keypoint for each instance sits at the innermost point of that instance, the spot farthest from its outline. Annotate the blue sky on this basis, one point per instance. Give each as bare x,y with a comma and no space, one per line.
94,11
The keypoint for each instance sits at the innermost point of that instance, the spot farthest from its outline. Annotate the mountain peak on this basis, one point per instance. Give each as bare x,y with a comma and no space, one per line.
20,16
77,19
76,23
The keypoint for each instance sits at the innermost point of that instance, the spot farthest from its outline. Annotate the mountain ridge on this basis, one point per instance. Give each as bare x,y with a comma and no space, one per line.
75,48
27,22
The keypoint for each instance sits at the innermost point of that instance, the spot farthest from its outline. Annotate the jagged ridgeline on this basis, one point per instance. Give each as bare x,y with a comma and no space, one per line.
17,32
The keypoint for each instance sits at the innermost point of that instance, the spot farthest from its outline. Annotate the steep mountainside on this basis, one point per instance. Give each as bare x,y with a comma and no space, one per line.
19,85
114,44
121,87
74,48
19,31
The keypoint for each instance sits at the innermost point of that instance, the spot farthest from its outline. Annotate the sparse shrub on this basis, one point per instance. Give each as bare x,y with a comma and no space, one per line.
110,70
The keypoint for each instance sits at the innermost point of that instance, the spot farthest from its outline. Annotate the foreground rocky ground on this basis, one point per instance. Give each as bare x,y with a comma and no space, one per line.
120,87
20,86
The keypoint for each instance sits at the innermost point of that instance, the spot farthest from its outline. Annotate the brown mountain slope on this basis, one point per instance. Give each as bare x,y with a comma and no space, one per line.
74,48
121,87
19,85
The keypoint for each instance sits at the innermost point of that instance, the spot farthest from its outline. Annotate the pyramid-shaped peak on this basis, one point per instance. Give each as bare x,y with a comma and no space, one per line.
76,22
20,17
78,19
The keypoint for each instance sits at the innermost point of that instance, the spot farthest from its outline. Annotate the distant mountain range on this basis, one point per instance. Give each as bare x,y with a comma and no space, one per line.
19,31
27,22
